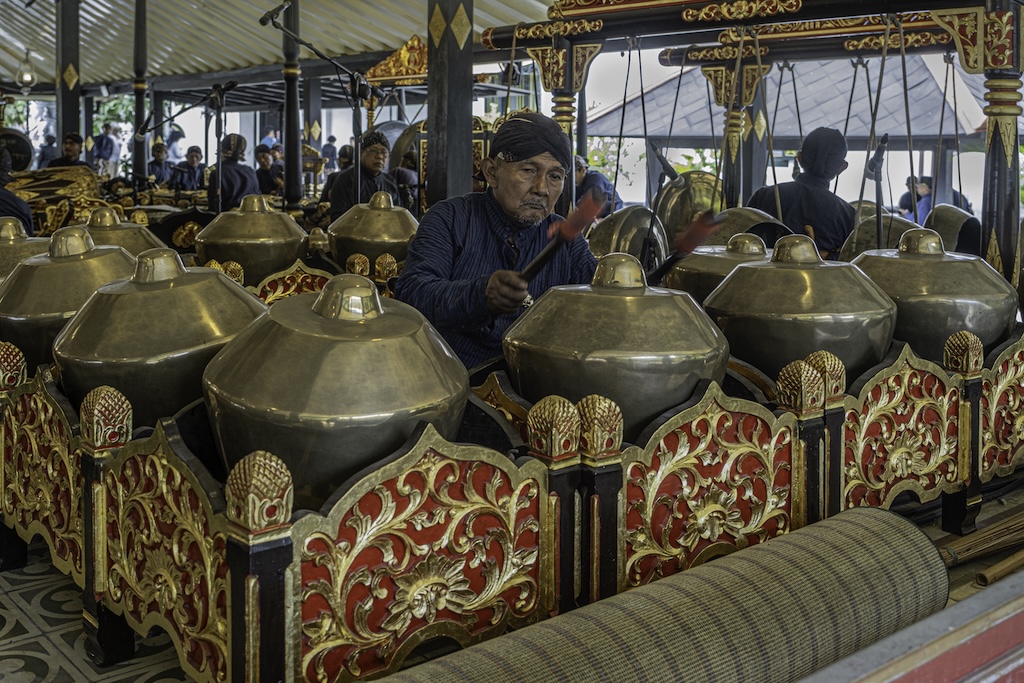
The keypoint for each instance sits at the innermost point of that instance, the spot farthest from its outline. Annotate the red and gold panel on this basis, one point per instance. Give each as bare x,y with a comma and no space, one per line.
443,541
717,477
164,562
494,393
42,475
1002,414
299,279
902,434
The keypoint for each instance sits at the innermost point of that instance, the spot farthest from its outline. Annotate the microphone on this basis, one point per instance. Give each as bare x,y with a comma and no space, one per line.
230,85
876,160
272,14
665,165
140,134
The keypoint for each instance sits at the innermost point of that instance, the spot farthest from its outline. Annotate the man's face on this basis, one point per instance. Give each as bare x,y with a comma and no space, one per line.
374,158
72,150
923,189
160,155
264,159
194,158
581,173
276,153
526,190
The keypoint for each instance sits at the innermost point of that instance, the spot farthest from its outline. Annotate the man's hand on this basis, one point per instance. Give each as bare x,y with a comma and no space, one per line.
505,292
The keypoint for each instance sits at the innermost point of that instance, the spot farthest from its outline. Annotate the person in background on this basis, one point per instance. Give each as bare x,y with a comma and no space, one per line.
268,137
10,203
277,154
48,151
808,205
239,180
330,154
103,153
188,175
908,199
174,154
408,181
587,180
373,159
269,175
924,204
463,268
344,161
159,170
72,149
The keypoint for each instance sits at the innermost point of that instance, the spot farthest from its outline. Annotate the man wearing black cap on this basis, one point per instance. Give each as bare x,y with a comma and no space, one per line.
188,174
269,175
373,158
808,206
239,180
463,268
72,150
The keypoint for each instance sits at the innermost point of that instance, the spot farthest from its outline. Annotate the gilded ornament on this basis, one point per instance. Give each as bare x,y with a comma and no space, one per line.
963,25
405,66
557,28
106,417
13,369
582,55
385,267
801,390
1002,414
964,354
723,53
600,430
552,63
462,27
901,434
358,264
829,27
554,424
741,9
139,216
298,280
833,374
259,493
999,40
435,584
910,40
493,392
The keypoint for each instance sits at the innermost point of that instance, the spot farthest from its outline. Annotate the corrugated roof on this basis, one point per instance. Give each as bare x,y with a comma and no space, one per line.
823,92
203,36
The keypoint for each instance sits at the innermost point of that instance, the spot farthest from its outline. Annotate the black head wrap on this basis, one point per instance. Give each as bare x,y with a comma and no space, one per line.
74,137
195,148
926,180
233,147
525,135
823,153
261,149
375,137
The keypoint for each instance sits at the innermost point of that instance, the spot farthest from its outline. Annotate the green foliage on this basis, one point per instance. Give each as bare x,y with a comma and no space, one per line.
16,115
117,109
602,156
696,160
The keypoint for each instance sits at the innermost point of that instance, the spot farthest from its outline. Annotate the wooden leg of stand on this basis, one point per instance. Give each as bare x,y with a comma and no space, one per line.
109,638
13,550
960,511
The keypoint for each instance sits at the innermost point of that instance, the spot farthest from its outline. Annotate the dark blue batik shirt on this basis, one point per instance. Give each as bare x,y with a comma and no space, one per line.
808,201
458,245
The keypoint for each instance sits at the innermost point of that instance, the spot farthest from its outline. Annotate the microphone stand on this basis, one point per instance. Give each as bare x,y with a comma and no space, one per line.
217,104
357,87
874,171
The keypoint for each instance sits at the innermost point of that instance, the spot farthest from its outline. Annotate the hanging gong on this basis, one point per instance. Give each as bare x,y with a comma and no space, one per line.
745,219
18,146
865,235
957,227
682,198
633,230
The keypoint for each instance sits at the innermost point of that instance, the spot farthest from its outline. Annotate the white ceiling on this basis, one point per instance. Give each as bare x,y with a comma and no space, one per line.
200,36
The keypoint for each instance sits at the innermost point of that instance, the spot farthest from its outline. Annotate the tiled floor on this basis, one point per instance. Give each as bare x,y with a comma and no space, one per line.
42,641
41,636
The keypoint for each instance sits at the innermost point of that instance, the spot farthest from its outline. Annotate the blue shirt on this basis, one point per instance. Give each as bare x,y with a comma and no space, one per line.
459,243
597,181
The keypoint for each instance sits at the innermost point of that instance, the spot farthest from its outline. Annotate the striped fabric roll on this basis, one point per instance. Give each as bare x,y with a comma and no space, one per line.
772,612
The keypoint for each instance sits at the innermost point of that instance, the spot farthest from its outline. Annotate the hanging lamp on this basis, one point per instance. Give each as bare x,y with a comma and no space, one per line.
26,76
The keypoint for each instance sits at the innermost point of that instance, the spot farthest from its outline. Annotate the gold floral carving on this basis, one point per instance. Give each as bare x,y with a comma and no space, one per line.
1002,414
911,40
717,477
106,418
552,63
405,66
901,434
963,25
554,424
964,354
741,9
801,390
723,53
185,235
385,267
582,55
557,28
299,279
1000,45
600,430
13,368
1006,128
259,493
564,8
843,26
444,541
358,264
232,269
723,83
166,554
494,392
42,475
833,373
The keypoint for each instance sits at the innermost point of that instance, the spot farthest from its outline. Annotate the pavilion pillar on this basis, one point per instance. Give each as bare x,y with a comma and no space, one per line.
449,99
988,41
69,85
563,73
754,161
139,87
581,123
737,98
87,133
312,130
292,129
159,114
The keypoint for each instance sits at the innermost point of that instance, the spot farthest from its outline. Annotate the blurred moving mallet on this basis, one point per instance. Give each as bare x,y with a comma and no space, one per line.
565,231
703,226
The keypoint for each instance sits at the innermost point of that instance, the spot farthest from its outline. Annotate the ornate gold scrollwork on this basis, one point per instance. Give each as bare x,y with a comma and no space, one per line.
554,424
600,431
901,434
833,373
297,280
184,236
106,418
723,53
552,63
232,269
358,264
1002,414
801,390
741,9
445,540
963,25
166,554
405,66
558,28
42,475
494,394
259,493
915,39
13,368
842,26
964,354
717,477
